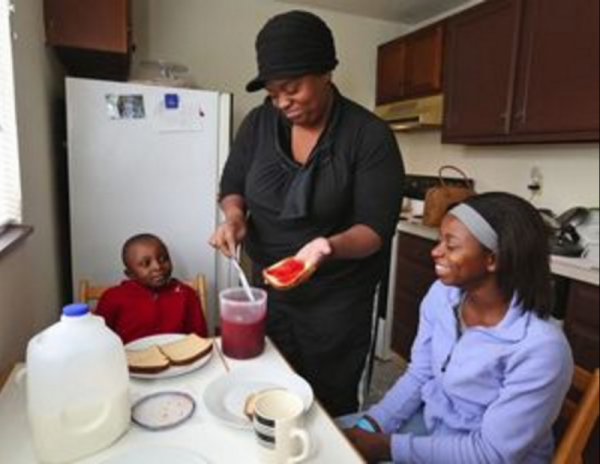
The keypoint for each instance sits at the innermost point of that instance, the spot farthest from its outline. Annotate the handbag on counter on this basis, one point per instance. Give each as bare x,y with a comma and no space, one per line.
441,198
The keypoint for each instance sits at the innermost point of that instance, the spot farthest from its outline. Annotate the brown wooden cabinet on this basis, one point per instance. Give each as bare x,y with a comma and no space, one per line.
523,71
414,275
92,38
424,62
582,322
410,66
480,45
391,64
89,24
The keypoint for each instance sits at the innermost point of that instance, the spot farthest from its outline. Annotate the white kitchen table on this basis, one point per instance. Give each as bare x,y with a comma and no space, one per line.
203,434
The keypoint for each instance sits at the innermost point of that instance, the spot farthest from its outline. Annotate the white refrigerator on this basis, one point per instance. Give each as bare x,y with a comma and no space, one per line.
143,158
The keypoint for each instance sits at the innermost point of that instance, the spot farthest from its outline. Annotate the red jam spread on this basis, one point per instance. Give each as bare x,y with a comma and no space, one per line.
287,271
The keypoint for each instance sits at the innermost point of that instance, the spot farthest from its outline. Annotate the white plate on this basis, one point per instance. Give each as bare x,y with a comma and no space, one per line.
172,371
153,454
225,398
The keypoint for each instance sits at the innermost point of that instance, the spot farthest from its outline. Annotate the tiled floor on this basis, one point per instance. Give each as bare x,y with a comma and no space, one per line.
385,375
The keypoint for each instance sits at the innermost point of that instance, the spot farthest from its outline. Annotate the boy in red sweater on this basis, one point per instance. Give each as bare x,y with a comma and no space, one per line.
150,302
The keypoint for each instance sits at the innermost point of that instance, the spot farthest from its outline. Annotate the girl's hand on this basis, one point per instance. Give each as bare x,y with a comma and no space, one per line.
228,236
315,252
374,447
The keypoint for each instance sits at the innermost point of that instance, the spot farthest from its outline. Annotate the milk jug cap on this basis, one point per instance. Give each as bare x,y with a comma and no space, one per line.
76,310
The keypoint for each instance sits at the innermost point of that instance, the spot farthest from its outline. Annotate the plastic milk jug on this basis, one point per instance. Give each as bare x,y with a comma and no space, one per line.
77,387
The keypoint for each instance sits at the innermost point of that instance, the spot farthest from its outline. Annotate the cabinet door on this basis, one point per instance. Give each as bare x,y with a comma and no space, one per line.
559,70
481,50
100,25
390,72
582,321
414,275
424,62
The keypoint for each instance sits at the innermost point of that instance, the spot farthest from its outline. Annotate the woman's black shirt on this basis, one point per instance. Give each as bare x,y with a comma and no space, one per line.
354,176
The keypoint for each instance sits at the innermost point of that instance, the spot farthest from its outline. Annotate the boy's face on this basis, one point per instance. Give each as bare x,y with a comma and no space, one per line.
148,262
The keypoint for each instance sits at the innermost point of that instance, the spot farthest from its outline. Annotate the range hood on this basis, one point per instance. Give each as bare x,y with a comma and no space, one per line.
410,115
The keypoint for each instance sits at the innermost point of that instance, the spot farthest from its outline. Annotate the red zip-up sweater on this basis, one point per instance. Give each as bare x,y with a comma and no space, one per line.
134,311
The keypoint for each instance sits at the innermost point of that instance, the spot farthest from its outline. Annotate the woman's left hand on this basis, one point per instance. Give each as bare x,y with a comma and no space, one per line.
315,252
374,447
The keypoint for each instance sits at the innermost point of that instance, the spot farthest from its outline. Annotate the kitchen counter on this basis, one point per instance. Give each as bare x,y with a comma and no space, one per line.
573,268
414,228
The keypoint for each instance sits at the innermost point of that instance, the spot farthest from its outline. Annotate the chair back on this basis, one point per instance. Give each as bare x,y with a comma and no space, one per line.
90,293
199,286
580,417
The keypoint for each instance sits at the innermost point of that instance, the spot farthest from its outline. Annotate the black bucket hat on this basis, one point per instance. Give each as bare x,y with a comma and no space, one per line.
291,45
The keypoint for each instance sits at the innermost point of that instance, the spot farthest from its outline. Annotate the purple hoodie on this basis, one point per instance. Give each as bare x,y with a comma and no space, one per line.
489,396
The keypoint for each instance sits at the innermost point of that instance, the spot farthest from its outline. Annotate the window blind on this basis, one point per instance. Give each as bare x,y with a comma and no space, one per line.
10,184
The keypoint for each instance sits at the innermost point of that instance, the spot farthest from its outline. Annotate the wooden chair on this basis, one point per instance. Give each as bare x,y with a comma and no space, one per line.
580,417
199,285
90,294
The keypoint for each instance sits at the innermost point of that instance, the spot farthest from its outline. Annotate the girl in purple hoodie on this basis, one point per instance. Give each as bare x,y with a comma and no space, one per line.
489,369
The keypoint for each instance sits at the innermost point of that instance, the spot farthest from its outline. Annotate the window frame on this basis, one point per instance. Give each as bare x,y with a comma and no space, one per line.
13,231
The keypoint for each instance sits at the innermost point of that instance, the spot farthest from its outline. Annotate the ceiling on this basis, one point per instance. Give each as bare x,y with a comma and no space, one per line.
401,11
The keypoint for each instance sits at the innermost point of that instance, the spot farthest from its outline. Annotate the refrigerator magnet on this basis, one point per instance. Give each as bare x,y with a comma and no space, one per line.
171,101
125,106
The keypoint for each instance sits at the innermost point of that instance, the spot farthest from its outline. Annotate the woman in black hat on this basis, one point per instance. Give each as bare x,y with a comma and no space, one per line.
315,175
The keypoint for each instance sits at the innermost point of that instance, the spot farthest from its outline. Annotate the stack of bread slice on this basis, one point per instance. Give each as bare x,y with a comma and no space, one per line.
158,358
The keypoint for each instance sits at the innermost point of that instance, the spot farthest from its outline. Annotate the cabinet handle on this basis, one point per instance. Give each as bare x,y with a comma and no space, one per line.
521,116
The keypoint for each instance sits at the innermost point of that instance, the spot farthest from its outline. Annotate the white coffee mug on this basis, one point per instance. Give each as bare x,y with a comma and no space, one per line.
279,428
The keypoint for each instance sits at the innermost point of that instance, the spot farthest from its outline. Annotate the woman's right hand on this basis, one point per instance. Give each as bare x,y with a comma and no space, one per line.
228,236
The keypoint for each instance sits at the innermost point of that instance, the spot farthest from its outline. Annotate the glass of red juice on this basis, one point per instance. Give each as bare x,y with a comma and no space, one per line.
243,323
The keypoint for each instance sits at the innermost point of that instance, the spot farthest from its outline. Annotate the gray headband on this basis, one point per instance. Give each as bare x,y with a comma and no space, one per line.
477,225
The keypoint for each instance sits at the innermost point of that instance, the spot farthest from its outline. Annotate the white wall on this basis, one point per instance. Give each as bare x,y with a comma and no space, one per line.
215,38
30,273
570,171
